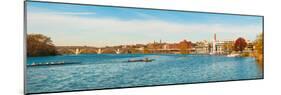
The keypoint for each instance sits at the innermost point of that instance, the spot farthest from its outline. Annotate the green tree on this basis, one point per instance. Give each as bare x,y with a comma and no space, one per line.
40,45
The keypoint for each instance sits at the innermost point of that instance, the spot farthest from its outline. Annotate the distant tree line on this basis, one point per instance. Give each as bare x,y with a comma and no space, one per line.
40,45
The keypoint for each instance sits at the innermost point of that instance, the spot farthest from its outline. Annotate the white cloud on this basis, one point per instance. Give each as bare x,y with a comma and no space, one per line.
64,27
75,13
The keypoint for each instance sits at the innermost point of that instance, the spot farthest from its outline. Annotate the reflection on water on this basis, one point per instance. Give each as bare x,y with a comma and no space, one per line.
109,71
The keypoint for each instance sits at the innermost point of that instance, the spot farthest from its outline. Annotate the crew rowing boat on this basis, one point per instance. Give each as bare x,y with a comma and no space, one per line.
53,63
141,60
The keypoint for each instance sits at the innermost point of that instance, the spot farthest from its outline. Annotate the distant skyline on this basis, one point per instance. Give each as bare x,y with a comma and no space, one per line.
79,25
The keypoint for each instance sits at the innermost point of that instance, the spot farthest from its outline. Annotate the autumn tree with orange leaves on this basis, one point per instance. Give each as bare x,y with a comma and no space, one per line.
240,44
40,45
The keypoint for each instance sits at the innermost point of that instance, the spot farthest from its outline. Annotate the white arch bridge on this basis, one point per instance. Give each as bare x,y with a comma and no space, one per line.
77,51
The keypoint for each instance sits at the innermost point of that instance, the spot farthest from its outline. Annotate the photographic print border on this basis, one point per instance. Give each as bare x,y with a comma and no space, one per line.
25,46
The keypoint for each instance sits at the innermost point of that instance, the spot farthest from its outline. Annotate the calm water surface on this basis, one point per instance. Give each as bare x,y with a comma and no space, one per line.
109,71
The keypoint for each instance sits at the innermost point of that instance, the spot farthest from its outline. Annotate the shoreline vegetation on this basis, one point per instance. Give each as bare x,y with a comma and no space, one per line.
40,45
259,53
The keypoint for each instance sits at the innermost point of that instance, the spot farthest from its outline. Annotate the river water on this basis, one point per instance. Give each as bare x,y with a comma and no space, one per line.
98,71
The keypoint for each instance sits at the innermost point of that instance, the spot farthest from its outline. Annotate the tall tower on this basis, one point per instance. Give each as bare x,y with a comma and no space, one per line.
214,44
215,37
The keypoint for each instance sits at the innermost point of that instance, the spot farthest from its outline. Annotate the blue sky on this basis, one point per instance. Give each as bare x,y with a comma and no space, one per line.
105,26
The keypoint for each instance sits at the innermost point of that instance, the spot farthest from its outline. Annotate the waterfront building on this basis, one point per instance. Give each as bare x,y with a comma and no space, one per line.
221,47
228,47
202,47
155,45
250,47
170,46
